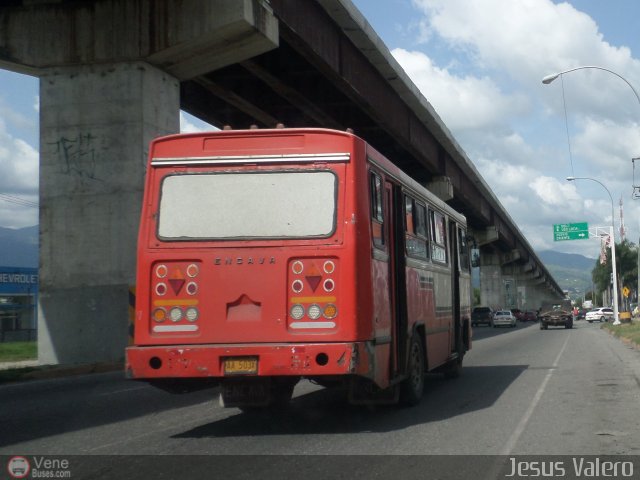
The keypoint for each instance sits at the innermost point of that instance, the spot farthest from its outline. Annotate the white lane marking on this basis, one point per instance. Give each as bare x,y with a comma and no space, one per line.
515,436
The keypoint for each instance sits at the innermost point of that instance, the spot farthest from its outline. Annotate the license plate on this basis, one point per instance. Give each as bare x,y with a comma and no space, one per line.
240,365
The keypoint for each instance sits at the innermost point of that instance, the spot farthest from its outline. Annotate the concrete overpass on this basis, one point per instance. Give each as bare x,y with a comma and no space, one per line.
115,73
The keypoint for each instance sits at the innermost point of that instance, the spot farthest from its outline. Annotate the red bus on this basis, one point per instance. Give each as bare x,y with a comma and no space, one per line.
267,256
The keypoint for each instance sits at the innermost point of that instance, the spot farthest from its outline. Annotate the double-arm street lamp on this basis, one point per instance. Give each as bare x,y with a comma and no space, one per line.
612,242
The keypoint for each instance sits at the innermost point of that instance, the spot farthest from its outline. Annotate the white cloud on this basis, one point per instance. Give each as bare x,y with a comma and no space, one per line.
15,118
554,194
521,37
19,181
19,164
463,102
191,124
606,146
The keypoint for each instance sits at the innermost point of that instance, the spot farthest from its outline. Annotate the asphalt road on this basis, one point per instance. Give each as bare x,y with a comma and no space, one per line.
523,391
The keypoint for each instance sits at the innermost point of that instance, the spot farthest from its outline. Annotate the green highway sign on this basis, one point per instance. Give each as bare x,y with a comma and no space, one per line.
570,231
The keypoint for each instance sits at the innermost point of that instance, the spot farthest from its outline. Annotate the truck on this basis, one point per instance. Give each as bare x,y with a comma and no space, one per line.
556,314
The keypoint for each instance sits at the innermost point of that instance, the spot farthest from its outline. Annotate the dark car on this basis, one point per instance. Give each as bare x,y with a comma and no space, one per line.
482,315
516,312
529,316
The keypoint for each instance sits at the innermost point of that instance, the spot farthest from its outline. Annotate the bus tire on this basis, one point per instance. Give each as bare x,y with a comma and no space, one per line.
412,387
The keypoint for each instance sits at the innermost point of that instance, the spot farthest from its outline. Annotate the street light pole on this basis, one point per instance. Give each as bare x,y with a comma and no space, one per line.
616,320
547,80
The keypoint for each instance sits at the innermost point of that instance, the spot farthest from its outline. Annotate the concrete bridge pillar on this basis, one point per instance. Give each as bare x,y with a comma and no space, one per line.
491,280
95,125
512,285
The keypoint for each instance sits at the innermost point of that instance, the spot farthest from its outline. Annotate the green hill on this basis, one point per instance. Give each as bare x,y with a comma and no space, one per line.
570,270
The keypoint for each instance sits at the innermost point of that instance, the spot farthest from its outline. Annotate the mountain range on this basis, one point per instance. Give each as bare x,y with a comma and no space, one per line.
19,248
570,270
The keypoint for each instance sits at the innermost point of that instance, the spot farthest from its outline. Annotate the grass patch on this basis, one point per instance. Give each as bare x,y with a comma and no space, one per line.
630,331
18,351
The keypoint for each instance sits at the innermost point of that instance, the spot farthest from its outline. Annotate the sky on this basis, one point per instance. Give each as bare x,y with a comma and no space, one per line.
480,64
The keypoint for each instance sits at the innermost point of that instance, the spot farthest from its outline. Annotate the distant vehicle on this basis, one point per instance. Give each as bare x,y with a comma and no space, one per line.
529,316
517,313
587,304
503,318
556,314
482,315
600,314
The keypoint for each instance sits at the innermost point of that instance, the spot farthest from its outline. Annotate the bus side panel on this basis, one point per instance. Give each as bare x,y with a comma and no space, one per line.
382,321
420,301
440,332
465,306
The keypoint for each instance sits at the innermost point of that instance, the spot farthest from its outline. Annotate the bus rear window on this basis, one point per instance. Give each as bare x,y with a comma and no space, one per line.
247,205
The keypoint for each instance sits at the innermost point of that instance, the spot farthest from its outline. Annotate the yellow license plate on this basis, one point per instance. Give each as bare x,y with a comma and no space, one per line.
240,365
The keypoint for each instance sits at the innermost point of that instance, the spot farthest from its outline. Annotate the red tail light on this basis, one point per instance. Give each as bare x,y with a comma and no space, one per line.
313,294
174,301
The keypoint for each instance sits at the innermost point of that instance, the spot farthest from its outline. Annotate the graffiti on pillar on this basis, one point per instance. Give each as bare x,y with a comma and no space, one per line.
77,155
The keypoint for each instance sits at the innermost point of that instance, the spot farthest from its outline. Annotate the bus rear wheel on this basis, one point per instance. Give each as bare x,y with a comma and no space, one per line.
412,387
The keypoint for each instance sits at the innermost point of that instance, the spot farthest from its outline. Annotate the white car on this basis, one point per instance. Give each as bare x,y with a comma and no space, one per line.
601,314
503,318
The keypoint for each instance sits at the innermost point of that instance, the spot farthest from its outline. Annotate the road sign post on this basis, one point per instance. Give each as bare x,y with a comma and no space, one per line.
570,231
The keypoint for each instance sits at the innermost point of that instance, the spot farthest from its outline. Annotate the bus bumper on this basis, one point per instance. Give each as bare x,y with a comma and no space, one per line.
217,361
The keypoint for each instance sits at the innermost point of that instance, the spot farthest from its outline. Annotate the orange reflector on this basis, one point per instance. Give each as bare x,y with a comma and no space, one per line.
330,311
329,266
161,271
159,314
313,270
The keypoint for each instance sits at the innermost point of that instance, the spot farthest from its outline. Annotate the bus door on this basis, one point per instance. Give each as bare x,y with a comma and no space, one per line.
397,277
456,330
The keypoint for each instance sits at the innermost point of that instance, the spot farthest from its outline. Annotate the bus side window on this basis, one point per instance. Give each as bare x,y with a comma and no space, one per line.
415,228
408,214
463,250
421,221
438,237
377,214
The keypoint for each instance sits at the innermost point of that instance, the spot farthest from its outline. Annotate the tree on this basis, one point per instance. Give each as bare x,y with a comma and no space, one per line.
476,296
626,266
